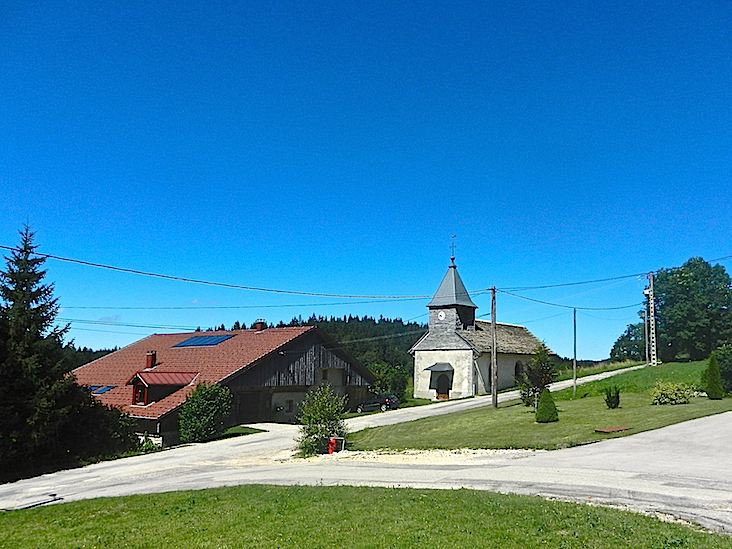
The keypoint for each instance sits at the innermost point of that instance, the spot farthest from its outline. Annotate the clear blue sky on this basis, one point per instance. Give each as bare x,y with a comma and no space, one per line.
334,147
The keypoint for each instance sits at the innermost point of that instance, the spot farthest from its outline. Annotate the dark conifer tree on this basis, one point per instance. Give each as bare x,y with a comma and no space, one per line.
48,421
714,388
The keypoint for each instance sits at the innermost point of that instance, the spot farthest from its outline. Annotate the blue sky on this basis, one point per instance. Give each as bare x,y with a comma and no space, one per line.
335,148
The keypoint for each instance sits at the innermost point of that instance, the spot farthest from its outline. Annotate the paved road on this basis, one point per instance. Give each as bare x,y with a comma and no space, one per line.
682,470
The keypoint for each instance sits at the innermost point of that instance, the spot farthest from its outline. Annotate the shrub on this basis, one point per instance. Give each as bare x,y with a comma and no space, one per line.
204,413
320,418
713,379
612,397
724,359
537,374
546,411
666,392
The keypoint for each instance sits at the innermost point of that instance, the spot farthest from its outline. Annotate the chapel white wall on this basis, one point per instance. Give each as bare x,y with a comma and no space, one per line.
462,380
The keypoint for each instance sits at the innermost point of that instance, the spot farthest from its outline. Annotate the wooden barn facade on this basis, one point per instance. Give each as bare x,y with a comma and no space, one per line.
268,371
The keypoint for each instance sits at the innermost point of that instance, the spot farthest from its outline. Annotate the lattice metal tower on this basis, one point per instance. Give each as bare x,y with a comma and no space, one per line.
652,319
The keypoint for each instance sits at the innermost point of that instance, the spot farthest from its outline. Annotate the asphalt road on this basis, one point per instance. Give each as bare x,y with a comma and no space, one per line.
682,470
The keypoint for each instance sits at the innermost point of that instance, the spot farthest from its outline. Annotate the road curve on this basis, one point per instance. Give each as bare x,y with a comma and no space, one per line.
681,470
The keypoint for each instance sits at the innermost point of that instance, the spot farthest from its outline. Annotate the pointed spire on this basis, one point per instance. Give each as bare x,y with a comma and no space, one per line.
452,290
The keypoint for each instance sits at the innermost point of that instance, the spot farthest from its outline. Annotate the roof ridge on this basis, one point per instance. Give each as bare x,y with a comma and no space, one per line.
501,323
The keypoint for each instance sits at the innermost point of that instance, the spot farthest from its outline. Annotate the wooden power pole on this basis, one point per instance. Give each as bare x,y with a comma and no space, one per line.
574,360
494,351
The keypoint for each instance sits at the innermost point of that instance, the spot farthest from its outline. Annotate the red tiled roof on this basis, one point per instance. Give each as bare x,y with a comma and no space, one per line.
164,378
213,364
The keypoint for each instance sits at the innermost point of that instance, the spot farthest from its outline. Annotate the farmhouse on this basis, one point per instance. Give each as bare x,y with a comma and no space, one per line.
267,370
452,360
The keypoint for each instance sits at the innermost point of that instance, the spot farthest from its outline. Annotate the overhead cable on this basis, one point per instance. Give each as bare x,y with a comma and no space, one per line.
569,306
218,284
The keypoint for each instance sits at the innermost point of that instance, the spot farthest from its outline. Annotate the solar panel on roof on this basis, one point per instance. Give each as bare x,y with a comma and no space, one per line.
203,341
104,389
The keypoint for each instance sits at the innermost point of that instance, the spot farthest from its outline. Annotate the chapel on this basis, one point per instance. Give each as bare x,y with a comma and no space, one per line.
453,359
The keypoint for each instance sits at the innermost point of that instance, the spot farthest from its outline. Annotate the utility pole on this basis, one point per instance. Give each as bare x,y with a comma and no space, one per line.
652,320
494,351
574,360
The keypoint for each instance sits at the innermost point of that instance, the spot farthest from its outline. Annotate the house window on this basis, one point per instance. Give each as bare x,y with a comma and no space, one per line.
140,394
518,369
289,405
325,375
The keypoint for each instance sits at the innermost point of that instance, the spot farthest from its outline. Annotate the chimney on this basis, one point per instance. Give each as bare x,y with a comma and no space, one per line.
260,324
151,360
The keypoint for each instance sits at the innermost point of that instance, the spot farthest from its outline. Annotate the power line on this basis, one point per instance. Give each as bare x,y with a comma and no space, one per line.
566,284
342,296
523,288
206,307
108,331
377,338
111,323
626,318
569,306
218,284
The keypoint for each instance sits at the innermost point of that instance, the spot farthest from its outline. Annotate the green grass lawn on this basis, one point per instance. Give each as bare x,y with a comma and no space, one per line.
512,424
315,517
237,431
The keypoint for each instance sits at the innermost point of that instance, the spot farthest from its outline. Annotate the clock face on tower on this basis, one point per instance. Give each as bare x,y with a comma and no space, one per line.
441,315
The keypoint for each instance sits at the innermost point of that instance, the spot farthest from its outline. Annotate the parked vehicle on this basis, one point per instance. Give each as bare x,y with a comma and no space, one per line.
383,402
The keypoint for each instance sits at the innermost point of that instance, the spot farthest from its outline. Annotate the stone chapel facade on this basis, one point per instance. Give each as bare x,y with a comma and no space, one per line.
453,359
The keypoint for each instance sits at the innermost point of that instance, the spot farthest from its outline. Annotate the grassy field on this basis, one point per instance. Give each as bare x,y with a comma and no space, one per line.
512,425
566,373
641,381
315,517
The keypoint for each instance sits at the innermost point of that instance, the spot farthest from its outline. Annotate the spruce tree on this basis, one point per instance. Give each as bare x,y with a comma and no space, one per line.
48,421
713,378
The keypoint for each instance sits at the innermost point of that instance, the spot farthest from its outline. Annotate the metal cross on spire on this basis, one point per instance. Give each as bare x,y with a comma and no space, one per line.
452,247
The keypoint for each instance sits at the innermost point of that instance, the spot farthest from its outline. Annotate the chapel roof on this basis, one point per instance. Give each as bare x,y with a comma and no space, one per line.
451,291
510,338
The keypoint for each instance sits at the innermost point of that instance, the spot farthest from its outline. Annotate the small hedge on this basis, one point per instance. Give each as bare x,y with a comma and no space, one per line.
667,392
546,411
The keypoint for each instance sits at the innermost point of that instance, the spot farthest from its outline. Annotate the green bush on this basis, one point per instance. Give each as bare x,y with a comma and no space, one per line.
666,392
320,418
204,413
546,411
713,379
612,397
724,359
